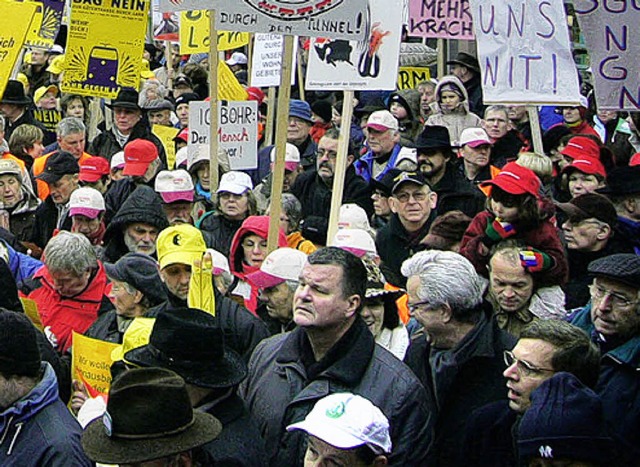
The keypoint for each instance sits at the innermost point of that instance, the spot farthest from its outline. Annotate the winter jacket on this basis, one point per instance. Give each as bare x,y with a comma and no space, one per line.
28,118
22,266
282,389
409,126
218,231
457,193
118,194
364,165
67,314
258,225
544,237
38,167
474,91
143,205
307,150
455,121
488,437
466,377
507,148
22,216
38,430
628,232
582,128
46,222
615,135
618,387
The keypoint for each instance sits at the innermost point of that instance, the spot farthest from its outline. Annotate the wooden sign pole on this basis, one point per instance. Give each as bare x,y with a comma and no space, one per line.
536,133
300,73
213,101
271,116
168,58
441,58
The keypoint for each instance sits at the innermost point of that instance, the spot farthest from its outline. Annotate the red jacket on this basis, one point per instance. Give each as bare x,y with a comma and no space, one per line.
584,129
545,238
64,314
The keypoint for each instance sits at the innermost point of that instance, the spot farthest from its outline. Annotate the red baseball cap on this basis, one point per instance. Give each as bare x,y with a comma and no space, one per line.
255,94
138,154
93,169
580,147
635,160
516,180
587,165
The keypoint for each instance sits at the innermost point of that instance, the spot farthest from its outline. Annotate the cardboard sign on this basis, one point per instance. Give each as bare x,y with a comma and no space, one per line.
372,64
104,47
31,310
166,134
410,76
266,61
611,34
335,19
45,24
524,52
167,28
446,19
194,34
237,135
14,24
91,363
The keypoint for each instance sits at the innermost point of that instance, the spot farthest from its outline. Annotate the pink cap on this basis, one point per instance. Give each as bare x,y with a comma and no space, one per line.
281,265
87,202
175,185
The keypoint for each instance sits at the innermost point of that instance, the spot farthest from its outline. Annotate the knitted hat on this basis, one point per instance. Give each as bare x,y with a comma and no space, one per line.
323,110
19,351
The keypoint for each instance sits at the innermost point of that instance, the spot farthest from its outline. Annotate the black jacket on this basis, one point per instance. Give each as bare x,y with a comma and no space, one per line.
28,118
474,91
489,437
457,193
46,222
218,231
506,149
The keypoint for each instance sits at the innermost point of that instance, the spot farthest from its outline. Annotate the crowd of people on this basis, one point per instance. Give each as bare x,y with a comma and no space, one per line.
479,304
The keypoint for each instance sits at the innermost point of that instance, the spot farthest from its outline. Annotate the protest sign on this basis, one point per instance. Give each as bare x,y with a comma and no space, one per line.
442,19
371,64
237,133
524,52
104,47
229,89
49,118
166,134
14,25
167,28
337,19
91,363
45,24
611,35
31,310
266,61
194,34
410,76
166,6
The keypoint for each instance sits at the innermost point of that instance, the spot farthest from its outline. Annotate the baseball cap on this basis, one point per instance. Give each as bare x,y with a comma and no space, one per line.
235,182
255,94
280,265
474,137
10,167
587,165
347,421
182,158
174,185
237,58
590,205
183,135
93,168
58,165
117,160
87,202
180,244
356,241
516,180
352,216
580,147
57,65
291,157
404,177
138,154
198,153
220,262
635,160
41,91
382,120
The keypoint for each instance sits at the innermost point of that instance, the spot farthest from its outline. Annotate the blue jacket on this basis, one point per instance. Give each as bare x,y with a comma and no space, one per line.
364,165
22,266
38,430
619,388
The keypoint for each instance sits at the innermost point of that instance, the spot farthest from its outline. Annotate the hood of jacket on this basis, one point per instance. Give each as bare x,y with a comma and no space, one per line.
258,225
29,202
143,205
454,80
410,100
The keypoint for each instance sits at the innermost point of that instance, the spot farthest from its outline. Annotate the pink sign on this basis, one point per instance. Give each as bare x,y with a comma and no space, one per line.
445,19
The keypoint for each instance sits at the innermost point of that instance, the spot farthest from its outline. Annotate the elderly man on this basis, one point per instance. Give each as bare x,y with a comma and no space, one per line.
413,205
513,292
278,279
177,192
86,209
39,430
612,318
383,140
70,289
623,189
332,350
159,112
545,348
475,151
459,358
507,141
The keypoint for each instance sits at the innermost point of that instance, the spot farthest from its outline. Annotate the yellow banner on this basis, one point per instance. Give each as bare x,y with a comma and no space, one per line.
91,363
229,89
14,25
31,310
166,135
105,45
410,76
194,34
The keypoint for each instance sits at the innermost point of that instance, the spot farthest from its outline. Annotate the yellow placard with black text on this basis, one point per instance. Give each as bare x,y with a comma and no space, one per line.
194,34
410,76
15,21
166,134
91,363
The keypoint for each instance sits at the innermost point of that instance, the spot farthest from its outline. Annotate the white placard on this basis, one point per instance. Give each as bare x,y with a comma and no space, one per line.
266,60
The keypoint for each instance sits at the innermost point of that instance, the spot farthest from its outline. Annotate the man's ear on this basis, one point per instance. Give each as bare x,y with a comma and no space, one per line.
446,313
354,303
392,204
380,461
604,232
138,296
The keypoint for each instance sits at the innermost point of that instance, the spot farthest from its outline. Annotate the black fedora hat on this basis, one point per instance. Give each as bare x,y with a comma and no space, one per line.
127,98
149,416
14,94
467,60
433,137
622,181
190,342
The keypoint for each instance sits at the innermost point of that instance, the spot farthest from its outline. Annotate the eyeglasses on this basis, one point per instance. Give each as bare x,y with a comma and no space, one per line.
524,368
414,307
616,299
404,197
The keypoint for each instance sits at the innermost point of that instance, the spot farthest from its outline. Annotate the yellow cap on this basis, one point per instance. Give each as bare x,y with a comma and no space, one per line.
181,244
57,65
136,335
40,92
24,80
145,71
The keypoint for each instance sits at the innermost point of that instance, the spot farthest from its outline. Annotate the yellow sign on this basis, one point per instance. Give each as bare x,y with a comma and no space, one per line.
194,34
91,363
14,24
104,46
31,310
45,23
166,135
409,76
201,294
229,89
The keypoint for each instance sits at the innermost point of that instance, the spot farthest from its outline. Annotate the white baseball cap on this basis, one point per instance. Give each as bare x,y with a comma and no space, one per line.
474,137
353,216
198,153
357,241
291,157
220,262
182,156
117,160
347,421
87,202
382,120
237,58
174,185
281,265
235,182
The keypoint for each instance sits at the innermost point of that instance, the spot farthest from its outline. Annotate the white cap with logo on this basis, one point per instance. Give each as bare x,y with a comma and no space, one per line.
87,202
235,182
281,265
474,137
356,241
175,185
382,120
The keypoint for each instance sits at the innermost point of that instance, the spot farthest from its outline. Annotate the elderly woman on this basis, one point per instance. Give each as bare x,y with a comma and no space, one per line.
18,199
70,289
135,288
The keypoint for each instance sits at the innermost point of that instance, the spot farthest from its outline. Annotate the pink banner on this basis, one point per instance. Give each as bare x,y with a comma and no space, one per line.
445,19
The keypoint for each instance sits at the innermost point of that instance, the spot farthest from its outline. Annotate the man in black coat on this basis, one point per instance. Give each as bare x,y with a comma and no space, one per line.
16,108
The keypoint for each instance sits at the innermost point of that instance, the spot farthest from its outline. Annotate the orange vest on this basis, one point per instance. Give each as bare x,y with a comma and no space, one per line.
38,168
487,189
10,156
